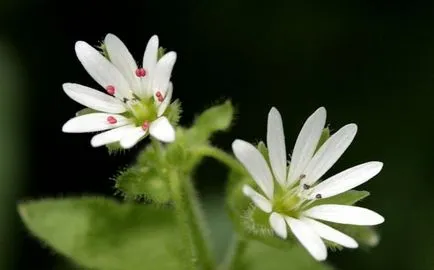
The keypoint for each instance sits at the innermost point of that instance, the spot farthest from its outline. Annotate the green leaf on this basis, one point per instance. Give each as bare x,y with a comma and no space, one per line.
347,198
216,118
259,256
100,233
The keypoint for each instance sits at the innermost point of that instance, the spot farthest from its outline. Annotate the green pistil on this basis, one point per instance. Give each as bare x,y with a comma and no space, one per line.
287,202
142,111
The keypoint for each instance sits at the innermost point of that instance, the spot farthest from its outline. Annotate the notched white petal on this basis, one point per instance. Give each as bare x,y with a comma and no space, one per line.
329,153
151,54
162,130
166,102
255,164
110,136
276,145
163,73
93,99
132,136
94,122
260,201
308,238
347,179
344,214
278,224
101,70
122,59
331,234
306,143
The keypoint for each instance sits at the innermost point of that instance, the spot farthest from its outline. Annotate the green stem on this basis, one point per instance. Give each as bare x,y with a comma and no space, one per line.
233,256
222,156
199,228
182,219
190,217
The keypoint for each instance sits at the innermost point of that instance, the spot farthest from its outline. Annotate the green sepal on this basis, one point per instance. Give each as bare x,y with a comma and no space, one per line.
161,52
366,236
85,111
248,220
264,151
101,233
325,135
173,112
258,256
136,183
103,50
349,197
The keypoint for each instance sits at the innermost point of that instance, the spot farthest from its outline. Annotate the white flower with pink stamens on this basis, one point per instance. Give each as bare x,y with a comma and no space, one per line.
289,202
136,97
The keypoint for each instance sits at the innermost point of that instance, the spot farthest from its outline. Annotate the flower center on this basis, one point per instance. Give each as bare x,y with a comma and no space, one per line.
288,202
141,111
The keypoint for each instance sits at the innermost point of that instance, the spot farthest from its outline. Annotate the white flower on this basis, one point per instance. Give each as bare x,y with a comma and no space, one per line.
136,98
288,202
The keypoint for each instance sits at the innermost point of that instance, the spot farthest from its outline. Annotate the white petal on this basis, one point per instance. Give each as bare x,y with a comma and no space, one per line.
163,106
347,179
344,214
162,130
150,55
255,164
331,234
110,136
329,153
148,64
93,122
307,142
308,238
277,223
163,72
132,136
122,59
276,145
101,70
260,201
93,99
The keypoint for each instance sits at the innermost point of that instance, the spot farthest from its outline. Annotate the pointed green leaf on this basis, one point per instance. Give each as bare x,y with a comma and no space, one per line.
216,118
100,233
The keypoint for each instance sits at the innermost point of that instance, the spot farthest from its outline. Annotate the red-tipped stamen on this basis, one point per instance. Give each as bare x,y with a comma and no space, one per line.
110,89
140,72
111,120
159,96
145,125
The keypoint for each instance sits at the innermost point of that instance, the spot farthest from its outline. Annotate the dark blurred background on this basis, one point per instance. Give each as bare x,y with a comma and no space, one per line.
368,62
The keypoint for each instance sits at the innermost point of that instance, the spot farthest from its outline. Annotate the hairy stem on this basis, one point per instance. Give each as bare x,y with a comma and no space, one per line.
221,156
233,256
191,221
